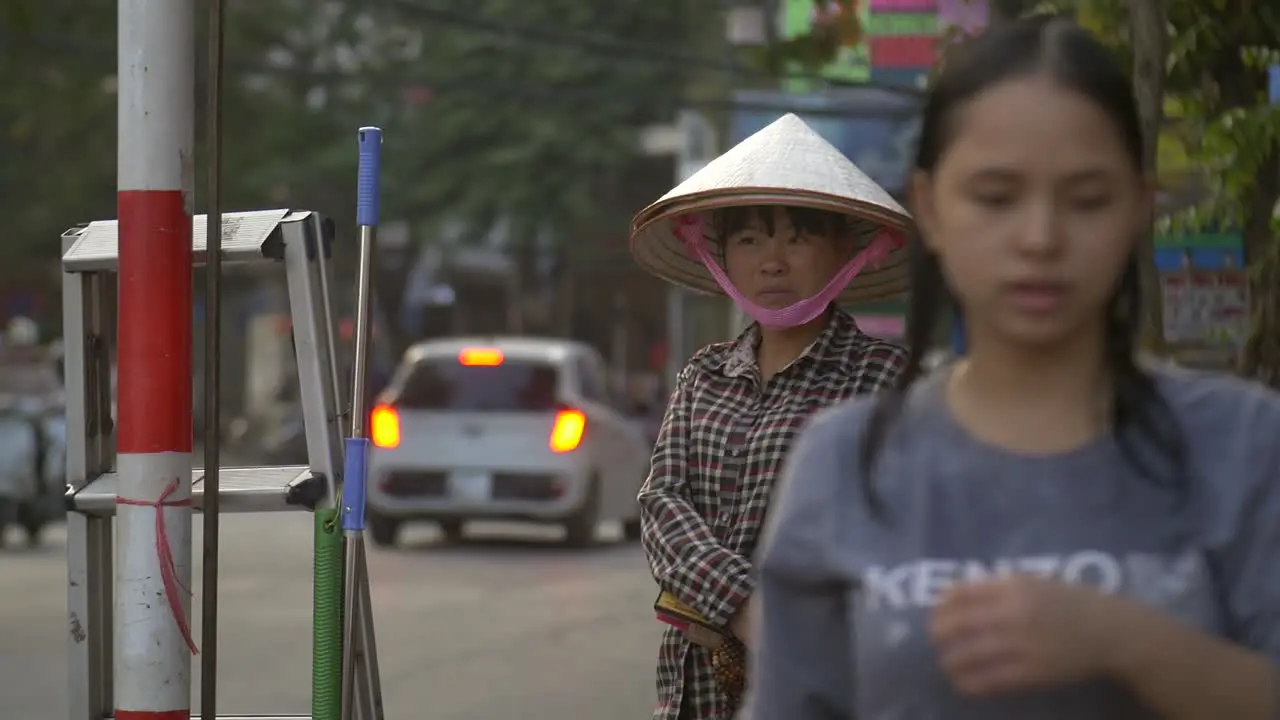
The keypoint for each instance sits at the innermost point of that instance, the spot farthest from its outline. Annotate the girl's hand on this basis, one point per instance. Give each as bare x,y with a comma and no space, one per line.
1022,632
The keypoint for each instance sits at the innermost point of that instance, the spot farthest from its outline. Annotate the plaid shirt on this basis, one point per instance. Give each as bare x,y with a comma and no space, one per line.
722,443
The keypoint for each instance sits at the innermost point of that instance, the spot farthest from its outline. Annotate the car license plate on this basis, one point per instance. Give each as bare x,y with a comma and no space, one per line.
472,485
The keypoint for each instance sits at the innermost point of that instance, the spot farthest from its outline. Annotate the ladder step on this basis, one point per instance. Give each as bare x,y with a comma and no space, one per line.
244,239
242,717
243,490
258,717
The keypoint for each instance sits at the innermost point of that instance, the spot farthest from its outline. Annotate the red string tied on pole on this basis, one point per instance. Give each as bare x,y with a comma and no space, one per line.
164,554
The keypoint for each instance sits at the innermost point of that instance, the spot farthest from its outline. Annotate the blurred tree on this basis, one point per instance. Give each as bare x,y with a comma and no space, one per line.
58,114
301,77
524,119
836,24
18,14
1150,40
57,119
497,109
531,110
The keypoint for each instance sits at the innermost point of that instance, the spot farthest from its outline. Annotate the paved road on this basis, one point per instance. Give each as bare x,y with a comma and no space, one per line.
492,628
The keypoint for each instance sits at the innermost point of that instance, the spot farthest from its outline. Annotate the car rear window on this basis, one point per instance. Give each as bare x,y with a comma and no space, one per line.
447,384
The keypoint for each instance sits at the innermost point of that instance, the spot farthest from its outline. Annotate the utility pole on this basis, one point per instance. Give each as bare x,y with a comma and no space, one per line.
698,141
747,24
155,178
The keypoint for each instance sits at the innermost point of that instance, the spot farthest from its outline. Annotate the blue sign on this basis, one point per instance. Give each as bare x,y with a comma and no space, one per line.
1172,260
908,78
874,127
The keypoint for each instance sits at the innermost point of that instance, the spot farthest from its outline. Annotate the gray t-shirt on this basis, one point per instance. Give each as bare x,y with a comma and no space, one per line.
846,597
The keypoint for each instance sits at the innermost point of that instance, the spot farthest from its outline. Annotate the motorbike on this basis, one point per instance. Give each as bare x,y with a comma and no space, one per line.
32,468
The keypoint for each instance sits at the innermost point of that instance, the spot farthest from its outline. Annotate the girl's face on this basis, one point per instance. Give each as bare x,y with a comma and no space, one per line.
1032,211
775,264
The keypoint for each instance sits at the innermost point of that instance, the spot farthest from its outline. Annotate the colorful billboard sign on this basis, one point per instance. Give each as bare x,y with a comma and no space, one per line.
968,16
1205,289
901,44
904,35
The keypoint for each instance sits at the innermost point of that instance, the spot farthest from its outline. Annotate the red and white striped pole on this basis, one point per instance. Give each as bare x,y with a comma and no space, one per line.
153,644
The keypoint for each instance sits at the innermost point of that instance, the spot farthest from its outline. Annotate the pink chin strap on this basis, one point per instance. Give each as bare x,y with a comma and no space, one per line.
691,228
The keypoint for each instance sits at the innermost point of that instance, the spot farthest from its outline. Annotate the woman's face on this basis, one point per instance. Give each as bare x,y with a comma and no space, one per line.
779,268
1033,210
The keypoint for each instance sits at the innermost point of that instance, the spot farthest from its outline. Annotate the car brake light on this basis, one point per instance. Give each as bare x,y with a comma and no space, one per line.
384,427
566,434
480,357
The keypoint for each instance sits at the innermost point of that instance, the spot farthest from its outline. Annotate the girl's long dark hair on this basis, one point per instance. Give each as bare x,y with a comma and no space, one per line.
1072,57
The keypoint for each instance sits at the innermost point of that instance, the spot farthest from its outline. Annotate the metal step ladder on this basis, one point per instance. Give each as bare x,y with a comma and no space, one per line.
301,240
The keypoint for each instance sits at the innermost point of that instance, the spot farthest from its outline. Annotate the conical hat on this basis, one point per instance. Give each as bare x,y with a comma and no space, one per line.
786,163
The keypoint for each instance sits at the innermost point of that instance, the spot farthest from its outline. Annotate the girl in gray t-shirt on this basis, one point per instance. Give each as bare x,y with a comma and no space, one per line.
1045,529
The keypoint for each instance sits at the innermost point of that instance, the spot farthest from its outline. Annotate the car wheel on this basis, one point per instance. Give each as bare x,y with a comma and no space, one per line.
453,530
580,528
384,531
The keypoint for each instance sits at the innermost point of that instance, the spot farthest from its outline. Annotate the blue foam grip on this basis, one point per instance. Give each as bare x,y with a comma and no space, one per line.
367,192
957,336
356,469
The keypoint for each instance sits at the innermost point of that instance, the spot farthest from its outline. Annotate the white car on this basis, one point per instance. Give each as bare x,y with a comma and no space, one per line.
503,429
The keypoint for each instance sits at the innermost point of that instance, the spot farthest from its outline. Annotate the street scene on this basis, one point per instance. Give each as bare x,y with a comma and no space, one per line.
495,318
506,624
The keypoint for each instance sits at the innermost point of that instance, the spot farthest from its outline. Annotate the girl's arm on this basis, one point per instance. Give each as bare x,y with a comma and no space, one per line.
803,667
1185,674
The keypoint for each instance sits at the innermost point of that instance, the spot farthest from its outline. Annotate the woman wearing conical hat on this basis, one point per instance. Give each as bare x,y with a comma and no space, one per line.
788,228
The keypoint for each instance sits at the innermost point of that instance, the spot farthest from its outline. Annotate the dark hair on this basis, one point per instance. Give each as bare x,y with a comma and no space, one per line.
729,220
1076,60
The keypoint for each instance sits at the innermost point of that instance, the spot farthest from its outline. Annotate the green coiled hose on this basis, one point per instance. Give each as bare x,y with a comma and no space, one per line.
326,647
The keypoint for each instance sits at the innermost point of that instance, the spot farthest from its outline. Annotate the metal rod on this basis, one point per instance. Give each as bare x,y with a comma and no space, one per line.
326,306
351,622
212,370
368,671
364,316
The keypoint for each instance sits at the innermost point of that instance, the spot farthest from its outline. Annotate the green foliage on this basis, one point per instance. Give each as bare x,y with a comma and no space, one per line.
497,107
1217,112
17,14
818,47
1220,52
53,118
537,120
